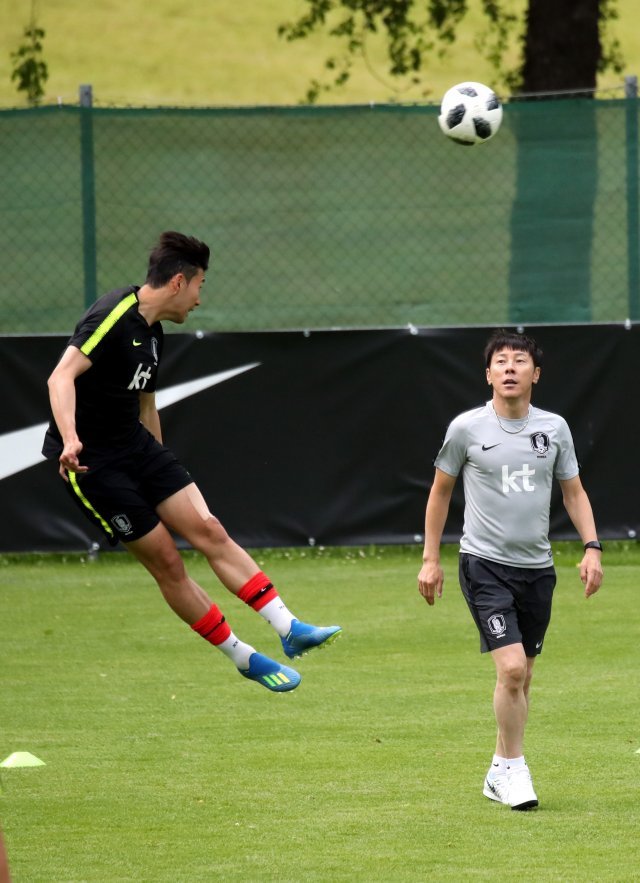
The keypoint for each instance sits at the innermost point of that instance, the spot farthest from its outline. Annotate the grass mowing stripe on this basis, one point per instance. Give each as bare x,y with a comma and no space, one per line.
163,764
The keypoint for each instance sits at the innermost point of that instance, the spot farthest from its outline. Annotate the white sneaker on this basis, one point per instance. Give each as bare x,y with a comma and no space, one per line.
496,787
520,793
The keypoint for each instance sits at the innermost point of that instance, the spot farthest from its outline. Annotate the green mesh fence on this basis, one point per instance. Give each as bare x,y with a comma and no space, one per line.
326,217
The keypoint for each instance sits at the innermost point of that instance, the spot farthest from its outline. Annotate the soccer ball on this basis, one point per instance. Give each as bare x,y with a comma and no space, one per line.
470,113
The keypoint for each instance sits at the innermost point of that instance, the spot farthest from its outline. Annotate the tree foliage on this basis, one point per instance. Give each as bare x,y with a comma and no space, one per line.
415,30
29,70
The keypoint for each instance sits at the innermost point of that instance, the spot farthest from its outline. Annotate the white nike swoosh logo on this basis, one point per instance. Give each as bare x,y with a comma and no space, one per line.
21,449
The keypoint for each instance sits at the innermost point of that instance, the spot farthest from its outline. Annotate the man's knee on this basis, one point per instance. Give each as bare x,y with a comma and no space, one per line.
211,537
162,559
512,670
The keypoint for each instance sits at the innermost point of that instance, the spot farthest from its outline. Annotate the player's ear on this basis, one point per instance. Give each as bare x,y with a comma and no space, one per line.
489,376
175,282
536,375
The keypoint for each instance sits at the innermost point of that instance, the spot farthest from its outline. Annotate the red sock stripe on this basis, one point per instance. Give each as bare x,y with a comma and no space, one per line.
213,627
258,591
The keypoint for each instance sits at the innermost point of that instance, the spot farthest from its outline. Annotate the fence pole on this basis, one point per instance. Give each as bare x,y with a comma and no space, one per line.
88,195
633,190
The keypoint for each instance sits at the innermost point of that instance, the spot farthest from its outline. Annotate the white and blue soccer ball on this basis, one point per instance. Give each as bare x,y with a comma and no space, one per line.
470,113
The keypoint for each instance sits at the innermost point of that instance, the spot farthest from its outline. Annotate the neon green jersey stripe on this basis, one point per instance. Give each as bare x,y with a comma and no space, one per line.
76,487
107,324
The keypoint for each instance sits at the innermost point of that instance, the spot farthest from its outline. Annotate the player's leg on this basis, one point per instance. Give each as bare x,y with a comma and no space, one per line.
533,594
489,590
508,779
500,754
157,551
111,497
509,698
511,706
187,513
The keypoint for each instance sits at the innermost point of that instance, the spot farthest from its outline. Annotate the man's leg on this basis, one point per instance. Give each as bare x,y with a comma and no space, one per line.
187,513
158,553
514,671
500,747
511,697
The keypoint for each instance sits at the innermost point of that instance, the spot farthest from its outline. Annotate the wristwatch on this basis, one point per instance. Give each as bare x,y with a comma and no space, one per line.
593,544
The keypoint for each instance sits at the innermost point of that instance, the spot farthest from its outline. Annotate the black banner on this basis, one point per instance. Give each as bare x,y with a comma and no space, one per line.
328,438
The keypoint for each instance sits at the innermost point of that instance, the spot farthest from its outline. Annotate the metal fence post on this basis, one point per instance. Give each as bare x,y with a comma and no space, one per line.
87,171
633,190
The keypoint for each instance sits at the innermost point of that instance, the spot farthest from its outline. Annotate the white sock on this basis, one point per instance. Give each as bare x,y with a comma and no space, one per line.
237,651
277,615
498,765
516,763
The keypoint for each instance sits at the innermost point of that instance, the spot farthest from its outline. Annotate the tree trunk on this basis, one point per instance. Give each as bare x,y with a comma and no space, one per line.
562,46
557,168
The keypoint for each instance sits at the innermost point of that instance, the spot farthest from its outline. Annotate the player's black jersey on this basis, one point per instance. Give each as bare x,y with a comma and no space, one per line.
125,352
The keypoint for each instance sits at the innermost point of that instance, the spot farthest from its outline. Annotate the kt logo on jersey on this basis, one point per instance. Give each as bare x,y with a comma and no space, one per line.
518,480
140,378
143,375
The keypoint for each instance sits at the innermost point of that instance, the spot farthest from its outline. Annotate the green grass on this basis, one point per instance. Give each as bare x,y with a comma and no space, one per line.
205,53
162,764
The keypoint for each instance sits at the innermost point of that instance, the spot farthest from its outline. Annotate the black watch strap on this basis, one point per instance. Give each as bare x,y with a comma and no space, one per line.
594,544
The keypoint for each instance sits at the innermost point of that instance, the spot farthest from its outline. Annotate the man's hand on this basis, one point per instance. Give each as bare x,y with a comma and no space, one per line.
69,461
591,572
430,581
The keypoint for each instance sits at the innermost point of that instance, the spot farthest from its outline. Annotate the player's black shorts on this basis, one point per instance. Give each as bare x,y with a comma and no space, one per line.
510,605
120,496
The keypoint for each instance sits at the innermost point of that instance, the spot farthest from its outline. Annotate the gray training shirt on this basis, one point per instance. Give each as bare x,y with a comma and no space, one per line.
507,475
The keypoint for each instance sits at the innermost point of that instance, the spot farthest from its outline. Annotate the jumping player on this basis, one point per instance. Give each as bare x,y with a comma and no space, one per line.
106,436
508,452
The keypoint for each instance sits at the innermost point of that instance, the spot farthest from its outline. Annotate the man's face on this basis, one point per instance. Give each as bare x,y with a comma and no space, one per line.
512,373
187,295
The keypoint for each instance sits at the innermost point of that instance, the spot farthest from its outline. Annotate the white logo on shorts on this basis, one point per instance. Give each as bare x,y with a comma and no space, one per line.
497,625
122,524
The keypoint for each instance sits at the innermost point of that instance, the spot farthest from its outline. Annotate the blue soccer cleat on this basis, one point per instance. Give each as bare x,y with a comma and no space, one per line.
269,673
303,637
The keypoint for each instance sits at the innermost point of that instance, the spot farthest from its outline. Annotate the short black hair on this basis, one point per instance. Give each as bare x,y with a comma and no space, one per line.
176,253
512,340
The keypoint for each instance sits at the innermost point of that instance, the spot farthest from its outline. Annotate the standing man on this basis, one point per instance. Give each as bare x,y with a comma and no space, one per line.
508,453
106,436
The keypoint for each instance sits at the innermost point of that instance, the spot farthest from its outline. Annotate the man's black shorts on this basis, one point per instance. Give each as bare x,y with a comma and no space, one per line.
120,496
510,605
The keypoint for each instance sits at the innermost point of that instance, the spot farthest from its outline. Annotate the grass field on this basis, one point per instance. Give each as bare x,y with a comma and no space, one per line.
224,52
162,764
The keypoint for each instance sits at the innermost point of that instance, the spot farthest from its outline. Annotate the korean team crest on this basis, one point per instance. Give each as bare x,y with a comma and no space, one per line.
540,443
122,524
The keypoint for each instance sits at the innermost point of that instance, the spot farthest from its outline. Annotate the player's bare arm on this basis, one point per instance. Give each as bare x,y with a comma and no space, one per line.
62,395
578,507
431,576
149,416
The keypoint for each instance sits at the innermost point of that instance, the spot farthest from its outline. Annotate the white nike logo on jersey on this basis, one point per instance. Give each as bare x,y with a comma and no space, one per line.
20,449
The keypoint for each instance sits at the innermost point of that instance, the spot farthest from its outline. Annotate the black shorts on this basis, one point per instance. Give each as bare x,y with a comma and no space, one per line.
120,496
510,605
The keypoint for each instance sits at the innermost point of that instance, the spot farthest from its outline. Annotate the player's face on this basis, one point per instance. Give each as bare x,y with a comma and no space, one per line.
187,296
512,373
